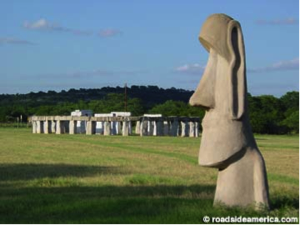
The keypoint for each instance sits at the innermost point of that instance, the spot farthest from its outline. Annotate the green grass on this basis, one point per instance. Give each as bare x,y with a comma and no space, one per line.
114,179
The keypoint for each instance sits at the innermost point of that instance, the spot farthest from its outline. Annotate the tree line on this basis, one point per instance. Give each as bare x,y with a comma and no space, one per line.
268,114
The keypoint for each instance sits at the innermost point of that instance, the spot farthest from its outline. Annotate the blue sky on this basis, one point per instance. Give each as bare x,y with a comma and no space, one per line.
58,45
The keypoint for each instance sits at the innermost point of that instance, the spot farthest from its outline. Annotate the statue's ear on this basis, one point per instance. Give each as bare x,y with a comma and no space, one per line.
237,77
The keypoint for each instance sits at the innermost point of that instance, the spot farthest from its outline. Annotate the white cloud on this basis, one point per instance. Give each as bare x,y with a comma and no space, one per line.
109,32
278,66
44,25
288,21
190,68
16,41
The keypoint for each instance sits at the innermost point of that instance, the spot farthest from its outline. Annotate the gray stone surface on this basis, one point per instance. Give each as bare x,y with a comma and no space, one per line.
125,126
107,128
34,127
196,129
72,127
144,128
227,141
58,127
192,129
185,128
47,127
39,127
137,127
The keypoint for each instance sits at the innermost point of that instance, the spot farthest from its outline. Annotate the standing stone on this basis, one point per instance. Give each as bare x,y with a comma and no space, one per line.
90,127
129,127
47,127
150,128
125,129
106,128
40,127
72,127
184,129
137,127
192,129
154,122
34,127
144,127
196,129
58,127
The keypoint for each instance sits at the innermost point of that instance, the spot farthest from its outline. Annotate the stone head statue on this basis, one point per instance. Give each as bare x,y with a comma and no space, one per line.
227,141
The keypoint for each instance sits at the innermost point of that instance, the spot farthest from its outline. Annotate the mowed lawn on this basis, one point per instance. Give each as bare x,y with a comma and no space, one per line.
114,179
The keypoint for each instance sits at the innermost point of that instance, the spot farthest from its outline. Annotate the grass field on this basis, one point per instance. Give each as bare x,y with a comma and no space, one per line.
115,179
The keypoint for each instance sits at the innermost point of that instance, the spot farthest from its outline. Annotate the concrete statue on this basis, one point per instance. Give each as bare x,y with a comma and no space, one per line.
227,140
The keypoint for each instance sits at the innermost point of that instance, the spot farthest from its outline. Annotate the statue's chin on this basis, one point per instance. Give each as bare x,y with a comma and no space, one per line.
221,140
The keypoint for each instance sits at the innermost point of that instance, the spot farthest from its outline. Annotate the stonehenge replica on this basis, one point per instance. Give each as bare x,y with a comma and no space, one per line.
227,141
116,123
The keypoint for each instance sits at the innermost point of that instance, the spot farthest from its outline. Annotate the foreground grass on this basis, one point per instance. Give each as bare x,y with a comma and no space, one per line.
115,179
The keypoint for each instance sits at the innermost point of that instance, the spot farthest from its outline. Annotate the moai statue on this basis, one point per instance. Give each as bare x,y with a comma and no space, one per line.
227,140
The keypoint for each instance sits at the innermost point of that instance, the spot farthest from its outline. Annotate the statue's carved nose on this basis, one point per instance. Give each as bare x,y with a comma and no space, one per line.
202,99
204,96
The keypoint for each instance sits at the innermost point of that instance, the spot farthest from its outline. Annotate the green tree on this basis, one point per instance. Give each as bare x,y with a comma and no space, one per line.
292,122
177,108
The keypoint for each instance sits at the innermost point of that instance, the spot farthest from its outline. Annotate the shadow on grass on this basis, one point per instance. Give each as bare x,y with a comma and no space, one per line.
284,201
106,204
111,204
12,172
121,204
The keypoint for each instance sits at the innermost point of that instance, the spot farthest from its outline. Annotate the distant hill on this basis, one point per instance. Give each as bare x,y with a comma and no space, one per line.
149,95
